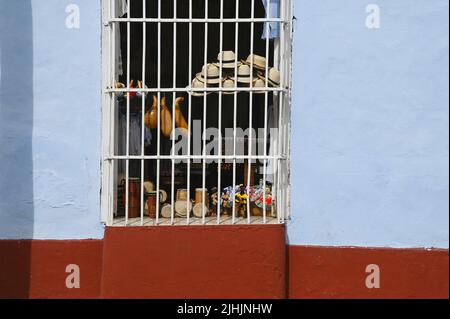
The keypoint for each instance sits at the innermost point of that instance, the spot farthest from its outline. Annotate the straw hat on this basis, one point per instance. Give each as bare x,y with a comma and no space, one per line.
197,84
210,73
244,74
259,83
259,62
228,59
273,77
229,83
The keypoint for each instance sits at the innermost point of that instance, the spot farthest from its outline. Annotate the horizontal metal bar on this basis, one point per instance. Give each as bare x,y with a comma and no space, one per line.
195,157
194,20
199,90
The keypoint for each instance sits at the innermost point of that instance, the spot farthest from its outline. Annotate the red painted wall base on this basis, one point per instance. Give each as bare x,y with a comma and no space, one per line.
195,262
338,272
37,268
214,262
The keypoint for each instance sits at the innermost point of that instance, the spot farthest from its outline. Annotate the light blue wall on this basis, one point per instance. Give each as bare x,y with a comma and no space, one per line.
49,120
370,148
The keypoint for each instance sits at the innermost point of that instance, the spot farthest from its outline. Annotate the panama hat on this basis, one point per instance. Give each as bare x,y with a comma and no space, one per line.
273,77
210,73
197,84
244,74
259,83
259,62
228,60
229,83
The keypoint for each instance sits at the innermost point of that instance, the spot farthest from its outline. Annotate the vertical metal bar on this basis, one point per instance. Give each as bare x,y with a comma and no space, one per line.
266,100
172,199
205,61
189,118
110,187
219,163
280,116
127,169
144,48
158,161
236,48
289,63
114,121
250,135
274,139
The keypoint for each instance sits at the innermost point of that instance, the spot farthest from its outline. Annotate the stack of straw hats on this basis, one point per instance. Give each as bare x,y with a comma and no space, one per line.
235,70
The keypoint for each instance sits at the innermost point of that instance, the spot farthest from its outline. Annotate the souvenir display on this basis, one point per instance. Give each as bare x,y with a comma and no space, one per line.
210,76
204,202
229,73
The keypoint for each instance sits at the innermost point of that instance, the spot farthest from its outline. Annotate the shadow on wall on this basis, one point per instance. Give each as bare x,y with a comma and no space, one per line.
16,126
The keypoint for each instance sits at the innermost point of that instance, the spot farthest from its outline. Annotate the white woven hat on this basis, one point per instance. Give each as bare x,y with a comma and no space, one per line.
259,62
273,77
229,83
210,73
197,84
228,59
244,75
259,83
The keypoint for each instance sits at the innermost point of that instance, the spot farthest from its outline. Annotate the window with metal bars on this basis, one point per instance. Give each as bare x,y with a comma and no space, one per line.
196,112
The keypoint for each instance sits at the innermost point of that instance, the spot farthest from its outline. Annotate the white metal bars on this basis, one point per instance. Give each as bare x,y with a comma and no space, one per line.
279,157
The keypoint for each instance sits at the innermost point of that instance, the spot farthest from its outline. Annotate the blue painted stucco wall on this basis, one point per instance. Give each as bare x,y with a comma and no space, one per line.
370,147
50,117
370,123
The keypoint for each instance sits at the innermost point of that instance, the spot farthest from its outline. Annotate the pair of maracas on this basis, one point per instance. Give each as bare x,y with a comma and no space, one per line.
151,117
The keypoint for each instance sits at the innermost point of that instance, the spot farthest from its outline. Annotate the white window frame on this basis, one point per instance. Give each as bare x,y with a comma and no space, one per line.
283,58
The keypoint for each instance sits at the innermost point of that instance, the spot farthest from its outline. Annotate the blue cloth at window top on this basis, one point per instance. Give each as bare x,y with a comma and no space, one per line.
274,27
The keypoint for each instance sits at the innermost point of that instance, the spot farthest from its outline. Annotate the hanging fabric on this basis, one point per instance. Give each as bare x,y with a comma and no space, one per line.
135,136
274,27
121,10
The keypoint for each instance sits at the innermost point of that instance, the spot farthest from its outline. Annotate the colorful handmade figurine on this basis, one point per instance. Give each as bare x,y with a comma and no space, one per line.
241,201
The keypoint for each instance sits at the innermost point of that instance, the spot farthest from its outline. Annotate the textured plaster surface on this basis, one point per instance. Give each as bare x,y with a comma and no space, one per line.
370,119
